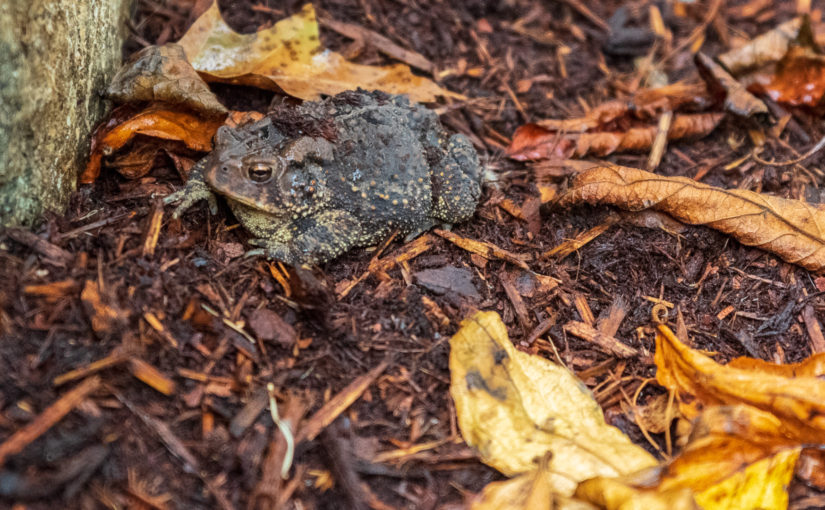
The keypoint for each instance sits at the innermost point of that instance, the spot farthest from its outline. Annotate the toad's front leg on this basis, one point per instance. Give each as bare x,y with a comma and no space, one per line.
194,191
311,240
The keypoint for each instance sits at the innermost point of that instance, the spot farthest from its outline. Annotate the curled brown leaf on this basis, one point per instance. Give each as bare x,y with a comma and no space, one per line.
535,142
792,229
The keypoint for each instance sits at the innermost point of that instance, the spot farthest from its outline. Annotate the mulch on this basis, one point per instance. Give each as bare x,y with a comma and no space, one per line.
143,362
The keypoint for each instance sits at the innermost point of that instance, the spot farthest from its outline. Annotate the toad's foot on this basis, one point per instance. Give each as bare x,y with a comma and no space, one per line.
194,191
311,240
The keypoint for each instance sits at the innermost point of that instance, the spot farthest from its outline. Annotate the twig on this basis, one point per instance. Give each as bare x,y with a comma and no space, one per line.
47,419
813,150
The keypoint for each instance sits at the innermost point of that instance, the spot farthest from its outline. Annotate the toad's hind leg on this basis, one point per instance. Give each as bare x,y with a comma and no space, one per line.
456,181
314,239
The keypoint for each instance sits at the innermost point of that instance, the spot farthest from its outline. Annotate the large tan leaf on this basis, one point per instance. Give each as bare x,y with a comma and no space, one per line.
618,494
516,408
792,229
289,57
529,491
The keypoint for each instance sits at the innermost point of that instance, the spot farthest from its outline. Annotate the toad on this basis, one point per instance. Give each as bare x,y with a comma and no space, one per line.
315,180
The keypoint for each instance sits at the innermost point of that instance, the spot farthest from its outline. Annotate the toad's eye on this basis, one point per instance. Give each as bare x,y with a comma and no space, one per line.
260,172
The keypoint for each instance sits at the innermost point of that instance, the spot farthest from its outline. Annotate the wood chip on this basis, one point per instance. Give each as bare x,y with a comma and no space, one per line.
150,375
485,249
607,344
814,329
572,245
52,253
53,290
338,404
379,42
150,240
580,302
268,325
609,324
47,419
115,358
517,301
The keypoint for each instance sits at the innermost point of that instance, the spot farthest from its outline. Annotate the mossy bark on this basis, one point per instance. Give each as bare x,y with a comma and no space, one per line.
56,57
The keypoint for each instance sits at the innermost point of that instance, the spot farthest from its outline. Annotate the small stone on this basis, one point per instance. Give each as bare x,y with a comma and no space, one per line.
268,326
448,279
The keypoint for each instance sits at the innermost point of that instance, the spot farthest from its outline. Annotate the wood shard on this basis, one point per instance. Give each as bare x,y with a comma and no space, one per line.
814,329
150,241
575,244
338,404
485,249
607,344
48,418
151,376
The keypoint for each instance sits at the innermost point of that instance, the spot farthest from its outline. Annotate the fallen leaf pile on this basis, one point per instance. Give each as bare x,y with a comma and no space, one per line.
182,111
784,64
536,422
791,229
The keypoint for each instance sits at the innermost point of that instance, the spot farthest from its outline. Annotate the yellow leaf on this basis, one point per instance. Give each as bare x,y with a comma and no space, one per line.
516,408
289,57
619,494
760,485
530,491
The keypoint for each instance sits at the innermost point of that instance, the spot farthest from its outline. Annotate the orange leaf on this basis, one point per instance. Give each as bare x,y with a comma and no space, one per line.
791,229
799,79
787,408
784,63
532,142
157,121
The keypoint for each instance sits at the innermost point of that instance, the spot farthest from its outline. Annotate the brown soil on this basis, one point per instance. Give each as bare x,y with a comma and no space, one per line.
196,445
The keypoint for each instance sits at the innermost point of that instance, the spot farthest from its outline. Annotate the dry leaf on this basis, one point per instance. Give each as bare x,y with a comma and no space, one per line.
736,458
618,125
785,64
289,57
534,142
798,79
737,98
754,418
792,407
162,74
530,491
157,121
792,229
515,408
617,494
769,47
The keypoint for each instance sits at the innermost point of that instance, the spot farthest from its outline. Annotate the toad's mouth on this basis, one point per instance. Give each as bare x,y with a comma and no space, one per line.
250,206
